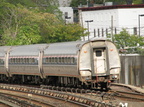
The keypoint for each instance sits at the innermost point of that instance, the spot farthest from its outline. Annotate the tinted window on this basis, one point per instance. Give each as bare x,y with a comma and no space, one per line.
1,61
98,53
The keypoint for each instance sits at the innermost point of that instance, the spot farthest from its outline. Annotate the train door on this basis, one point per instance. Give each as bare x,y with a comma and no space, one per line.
99,56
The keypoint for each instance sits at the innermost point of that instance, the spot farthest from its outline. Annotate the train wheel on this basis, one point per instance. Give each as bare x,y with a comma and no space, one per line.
105,86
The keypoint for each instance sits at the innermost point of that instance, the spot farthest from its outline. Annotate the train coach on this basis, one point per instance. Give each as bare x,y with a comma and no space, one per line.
90,64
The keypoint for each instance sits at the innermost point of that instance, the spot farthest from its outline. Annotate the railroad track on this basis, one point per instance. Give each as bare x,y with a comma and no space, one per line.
22,99
12,101
61,96
67,98
127,91
131,95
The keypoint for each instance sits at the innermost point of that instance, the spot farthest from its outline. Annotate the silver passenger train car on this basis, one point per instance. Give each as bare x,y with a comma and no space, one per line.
91,63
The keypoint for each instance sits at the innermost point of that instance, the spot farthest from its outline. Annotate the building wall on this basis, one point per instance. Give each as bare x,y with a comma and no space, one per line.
69,12
106,19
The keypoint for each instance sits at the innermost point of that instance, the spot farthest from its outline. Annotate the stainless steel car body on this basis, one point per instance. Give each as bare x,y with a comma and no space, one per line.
99,58
25,60
89,61
64,59
4,59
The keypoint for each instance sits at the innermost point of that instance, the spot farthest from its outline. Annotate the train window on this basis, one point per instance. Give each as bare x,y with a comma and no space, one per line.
32,60
98,53
46,60
62,59
52,60
49,60
18,60
11,60
65,60
72,60
27,60
68,60
35,60
59,59
15,60
21,60
24,60
1,61
56,59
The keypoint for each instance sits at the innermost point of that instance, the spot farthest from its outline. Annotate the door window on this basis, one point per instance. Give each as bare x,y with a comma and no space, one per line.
98,53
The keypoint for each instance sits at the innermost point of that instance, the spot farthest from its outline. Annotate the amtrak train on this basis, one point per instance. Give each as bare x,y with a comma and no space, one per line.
89,64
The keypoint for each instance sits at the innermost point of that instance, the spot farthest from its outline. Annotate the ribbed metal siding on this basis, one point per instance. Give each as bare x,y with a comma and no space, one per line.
27,50
69,48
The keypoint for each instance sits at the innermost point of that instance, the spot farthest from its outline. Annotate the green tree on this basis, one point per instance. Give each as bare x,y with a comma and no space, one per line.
69,32
26,3
20,25
126,1
75,3
49,6
126,41
137,1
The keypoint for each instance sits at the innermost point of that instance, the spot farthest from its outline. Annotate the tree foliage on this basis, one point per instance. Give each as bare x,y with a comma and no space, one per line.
75,3
22,25
131,43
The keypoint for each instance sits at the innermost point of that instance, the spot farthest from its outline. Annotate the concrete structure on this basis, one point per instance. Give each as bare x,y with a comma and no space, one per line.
67,14
132,69
112,19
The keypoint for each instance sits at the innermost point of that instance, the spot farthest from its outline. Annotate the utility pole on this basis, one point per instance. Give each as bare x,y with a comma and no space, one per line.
139,22
87,21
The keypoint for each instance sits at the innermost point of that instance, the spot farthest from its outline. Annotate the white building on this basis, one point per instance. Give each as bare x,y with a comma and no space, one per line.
105,20
67,14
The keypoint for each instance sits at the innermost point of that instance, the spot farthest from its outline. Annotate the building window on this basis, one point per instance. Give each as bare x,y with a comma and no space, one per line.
135,30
